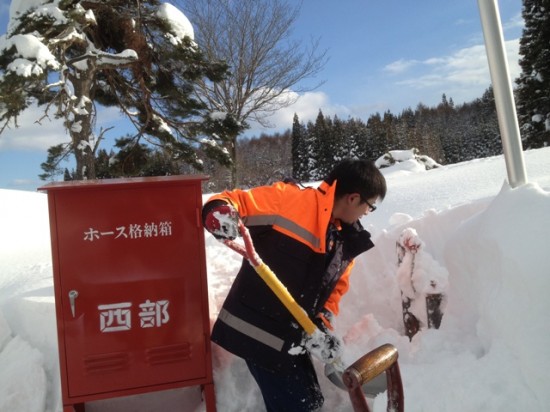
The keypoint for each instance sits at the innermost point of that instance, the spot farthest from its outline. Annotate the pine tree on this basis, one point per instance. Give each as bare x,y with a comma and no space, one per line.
310,156
533,91
480,125
51,166
299,150
406,129
376,143
323,146
354,131
134,56
341,148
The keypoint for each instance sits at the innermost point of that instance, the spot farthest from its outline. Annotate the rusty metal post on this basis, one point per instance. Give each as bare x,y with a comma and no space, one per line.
433,309
366,368
396,400
412,325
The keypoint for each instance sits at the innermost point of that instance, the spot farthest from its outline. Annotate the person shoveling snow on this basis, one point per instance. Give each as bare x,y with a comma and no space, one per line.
309,237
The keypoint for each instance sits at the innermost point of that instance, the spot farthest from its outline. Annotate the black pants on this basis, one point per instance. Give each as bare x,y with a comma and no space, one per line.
298,391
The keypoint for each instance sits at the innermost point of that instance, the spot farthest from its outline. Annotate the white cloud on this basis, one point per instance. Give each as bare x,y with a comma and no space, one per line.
462,76
514,22
463,22
307,108
31,136
400,66
463,73
308,105
24,183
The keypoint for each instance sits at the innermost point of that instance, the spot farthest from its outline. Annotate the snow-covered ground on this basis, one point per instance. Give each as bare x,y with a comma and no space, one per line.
490,354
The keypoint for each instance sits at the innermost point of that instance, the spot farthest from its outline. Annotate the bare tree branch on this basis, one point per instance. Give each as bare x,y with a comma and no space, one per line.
253,37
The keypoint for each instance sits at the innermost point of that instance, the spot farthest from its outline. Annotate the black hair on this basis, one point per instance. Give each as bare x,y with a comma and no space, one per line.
358,176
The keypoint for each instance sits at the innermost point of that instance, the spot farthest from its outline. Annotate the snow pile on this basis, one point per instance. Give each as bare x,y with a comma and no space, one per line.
406,160
506,308
490,353
27,392
419,275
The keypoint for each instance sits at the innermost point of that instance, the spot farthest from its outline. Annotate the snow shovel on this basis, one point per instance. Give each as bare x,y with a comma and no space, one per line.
333,370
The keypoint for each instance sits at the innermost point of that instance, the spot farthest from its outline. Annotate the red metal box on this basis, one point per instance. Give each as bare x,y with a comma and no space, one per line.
130,287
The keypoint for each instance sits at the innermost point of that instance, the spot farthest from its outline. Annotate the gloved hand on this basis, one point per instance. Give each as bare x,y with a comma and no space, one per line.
323,344
221,219
323,320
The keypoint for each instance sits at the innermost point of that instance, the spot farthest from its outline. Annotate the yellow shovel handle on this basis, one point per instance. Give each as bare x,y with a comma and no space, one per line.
285,297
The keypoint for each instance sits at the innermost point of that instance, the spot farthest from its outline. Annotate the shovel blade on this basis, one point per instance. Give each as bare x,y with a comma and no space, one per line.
335,376
371,389
375,386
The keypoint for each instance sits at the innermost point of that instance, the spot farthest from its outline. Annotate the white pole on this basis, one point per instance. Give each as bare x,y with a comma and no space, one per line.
504,96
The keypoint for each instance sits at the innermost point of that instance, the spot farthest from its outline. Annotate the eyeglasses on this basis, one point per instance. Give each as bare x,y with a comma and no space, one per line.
372,208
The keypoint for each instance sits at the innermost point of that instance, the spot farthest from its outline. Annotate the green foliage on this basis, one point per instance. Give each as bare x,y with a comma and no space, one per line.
52,166
299,150
129,159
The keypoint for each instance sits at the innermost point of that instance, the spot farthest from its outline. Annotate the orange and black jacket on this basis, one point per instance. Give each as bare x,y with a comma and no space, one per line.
288,225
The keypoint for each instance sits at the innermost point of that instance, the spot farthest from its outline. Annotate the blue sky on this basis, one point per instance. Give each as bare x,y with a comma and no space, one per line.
383,55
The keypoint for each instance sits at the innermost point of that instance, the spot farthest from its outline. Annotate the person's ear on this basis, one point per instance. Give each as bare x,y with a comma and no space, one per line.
354,198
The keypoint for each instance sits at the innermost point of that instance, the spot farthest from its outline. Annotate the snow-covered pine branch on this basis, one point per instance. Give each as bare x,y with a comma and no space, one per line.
81,56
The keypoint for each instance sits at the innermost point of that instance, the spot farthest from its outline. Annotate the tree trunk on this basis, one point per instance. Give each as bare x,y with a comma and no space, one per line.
233,167
80,127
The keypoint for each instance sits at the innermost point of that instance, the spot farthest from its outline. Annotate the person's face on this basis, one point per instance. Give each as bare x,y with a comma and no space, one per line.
352,207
